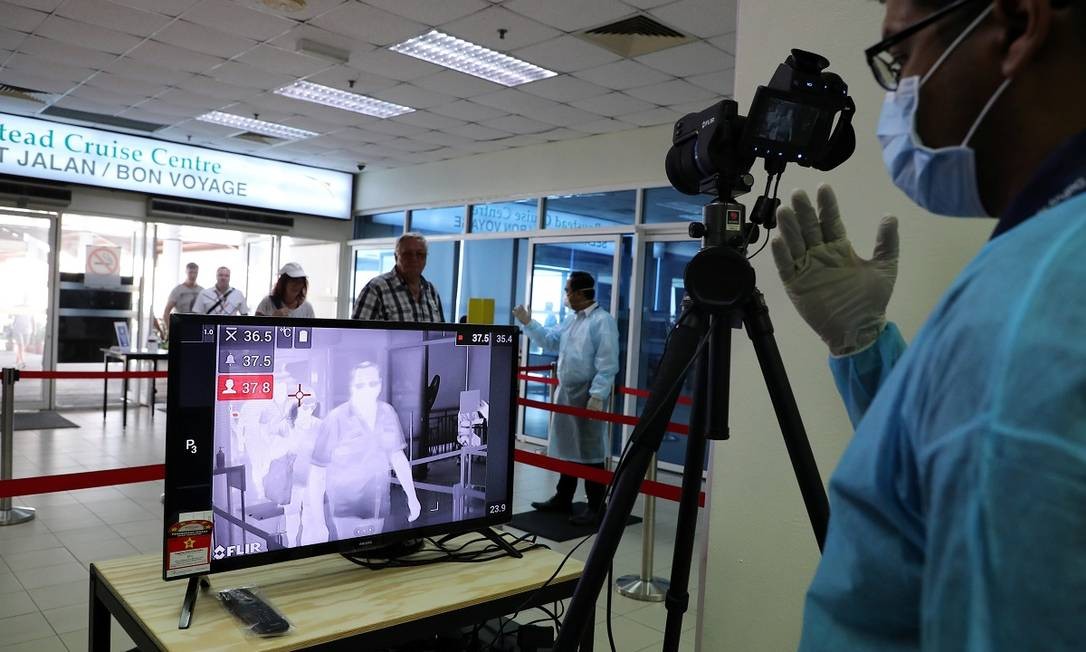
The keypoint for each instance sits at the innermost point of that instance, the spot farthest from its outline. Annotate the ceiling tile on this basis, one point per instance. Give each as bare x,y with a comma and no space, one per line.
242,74
482,28
566,54
311,9
118,84
369,24
481,146
513,100
692,107
21,19
243,21
410,145
563,88
88,36
457,84
205,85
393,128
28,79
429,12
50,69
653,117
523,140
204,129
10,39
393,65
516,124
672,92
571,15
39,5
126,67
278,60
352,136
165,7
195,103
561,115
116,101
113,16
647,4
623,75
605,126
342,77
376,137
721,83
725,42
50,50
695,58
613,104
171,56
443,138
413,96
201,38
470,111
428,120
167,107
140,113
704,18
478,133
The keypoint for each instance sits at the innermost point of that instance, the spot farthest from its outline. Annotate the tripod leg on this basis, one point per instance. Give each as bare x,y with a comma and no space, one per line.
760,330
682,346
709,413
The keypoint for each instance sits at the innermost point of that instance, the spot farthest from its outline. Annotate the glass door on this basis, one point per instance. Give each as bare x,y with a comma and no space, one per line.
259,269
552,261
370,261
26,260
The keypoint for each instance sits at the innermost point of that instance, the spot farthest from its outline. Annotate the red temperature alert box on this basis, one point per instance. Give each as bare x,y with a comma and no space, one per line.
245,387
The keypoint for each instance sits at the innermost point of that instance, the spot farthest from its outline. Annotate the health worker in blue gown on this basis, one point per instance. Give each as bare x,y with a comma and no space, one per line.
958,511
587,347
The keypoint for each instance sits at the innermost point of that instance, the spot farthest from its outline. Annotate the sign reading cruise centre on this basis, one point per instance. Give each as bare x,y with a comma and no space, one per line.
61,152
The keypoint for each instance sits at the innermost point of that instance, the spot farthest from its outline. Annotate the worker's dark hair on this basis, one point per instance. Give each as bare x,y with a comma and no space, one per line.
584,283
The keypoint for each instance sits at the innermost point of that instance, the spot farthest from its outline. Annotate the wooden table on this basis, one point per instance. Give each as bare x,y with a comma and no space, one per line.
330,602
124,357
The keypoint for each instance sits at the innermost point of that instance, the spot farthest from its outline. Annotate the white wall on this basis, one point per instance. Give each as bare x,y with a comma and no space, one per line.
620,160
761,553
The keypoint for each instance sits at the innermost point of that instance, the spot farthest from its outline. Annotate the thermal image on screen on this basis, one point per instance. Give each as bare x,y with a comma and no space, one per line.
326,434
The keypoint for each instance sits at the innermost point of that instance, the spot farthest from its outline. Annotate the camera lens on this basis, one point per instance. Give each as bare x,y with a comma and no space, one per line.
682,167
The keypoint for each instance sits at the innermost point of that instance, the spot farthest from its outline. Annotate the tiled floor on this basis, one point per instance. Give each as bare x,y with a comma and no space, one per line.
43,563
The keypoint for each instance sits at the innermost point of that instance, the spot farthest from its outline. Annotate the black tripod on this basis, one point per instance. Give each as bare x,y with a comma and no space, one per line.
721,295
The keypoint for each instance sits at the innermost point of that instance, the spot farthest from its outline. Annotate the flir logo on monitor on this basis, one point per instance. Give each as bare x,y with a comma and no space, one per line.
221,552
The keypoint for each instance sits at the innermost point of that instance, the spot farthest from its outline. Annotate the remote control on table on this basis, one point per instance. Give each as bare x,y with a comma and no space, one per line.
257,615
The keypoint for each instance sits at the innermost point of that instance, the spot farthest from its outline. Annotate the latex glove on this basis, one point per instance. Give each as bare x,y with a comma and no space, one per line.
841,296
522,315
414,508
595,404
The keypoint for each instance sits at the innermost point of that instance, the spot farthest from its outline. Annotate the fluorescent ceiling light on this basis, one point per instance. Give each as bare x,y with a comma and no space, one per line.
254,125
464,56
321,50
340,99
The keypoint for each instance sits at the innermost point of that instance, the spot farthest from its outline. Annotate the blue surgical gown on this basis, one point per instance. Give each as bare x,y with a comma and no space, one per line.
959,508
587,346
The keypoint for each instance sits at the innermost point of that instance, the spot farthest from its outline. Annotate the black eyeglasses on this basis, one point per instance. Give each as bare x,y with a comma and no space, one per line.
884,65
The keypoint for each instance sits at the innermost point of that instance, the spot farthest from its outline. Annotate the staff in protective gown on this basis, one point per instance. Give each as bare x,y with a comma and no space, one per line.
587,345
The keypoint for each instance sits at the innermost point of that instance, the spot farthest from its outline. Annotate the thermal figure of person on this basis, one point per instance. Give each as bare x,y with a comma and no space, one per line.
359,444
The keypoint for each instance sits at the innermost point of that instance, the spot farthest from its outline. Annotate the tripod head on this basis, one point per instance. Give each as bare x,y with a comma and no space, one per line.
803,116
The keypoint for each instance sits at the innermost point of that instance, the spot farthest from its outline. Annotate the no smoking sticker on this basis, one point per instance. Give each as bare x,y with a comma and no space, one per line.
103,261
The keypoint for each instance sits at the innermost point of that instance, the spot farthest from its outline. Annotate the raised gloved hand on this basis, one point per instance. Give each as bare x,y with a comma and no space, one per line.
522,315
841,296
595,404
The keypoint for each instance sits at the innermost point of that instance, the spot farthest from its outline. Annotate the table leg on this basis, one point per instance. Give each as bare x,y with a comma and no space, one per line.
98,626
124,396
105,384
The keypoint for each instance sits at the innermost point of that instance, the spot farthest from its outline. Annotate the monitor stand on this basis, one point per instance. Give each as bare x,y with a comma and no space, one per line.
493,536
189,603
389,551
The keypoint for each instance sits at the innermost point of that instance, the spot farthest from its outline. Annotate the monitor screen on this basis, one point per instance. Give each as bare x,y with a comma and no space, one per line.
290,438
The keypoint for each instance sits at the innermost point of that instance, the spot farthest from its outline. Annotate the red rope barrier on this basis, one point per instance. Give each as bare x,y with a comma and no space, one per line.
648,487
677,428
70,481
538,367
99,375
641,393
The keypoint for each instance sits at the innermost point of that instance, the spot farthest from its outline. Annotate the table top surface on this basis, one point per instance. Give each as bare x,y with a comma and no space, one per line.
148,354
324,598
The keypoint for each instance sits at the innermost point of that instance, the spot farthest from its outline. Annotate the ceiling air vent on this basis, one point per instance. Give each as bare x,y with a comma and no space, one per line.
101,118
635,36
20,93
261,139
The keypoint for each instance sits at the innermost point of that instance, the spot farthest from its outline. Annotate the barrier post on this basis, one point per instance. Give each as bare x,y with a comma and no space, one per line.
608,458
9,515
645,587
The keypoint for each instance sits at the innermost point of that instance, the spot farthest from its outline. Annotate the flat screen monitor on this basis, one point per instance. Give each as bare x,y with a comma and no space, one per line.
287,438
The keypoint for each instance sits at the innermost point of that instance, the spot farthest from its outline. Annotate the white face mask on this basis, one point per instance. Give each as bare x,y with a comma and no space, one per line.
944,180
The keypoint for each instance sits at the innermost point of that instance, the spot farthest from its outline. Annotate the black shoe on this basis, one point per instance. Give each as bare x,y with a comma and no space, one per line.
554,504
585,518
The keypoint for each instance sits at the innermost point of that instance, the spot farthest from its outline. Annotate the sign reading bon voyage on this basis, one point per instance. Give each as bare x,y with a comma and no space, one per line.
62,152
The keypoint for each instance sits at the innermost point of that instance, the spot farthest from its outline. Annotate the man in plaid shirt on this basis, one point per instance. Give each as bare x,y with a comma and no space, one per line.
402,294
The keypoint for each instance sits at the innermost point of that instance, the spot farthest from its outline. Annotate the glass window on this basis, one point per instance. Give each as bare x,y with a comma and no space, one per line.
669,205
24,306
502,216
592,210
320,260
381,225
660,307
177,246
438,220
481,258
367,264
441,271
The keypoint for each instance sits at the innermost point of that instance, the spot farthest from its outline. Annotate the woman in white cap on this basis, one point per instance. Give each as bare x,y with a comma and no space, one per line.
288,297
